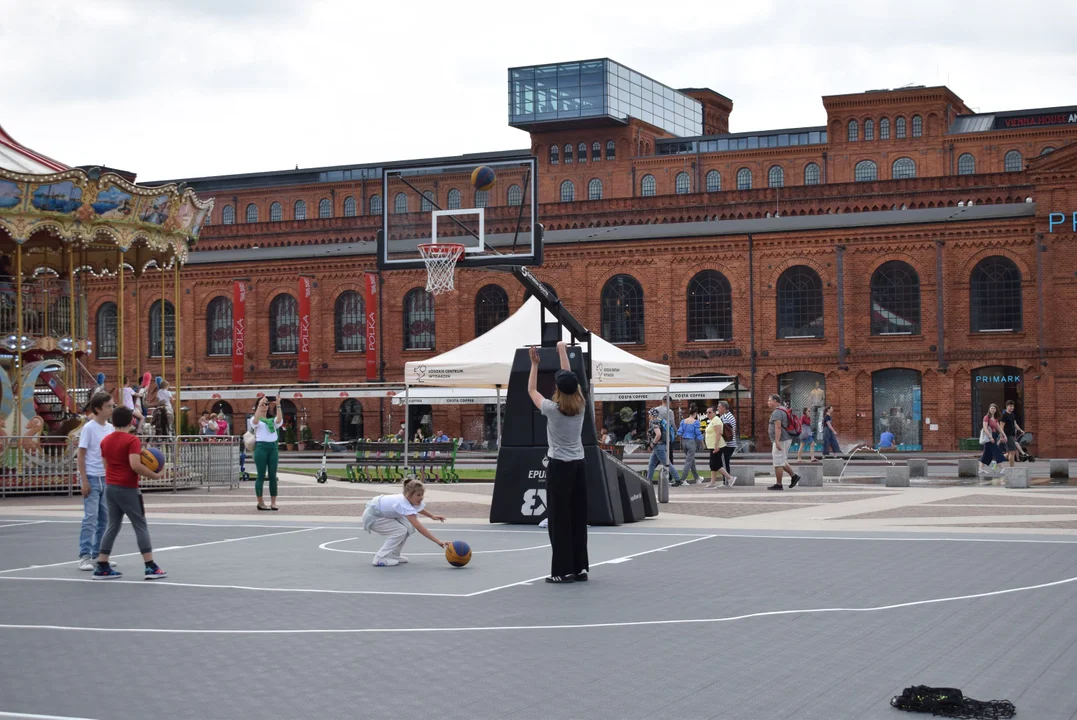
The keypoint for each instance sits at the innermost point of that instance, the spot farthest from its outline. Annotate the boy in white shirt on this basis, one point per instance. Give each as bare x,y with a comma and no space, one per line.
396,517
92,474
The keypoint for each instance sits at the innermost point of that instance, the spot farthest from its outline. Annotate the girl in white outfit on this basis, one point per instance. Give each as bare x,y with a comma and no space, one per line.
396,517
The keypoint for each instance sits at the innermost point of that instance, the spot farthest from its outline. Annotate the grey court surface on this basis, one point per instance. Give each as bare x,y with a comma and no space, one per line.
264,620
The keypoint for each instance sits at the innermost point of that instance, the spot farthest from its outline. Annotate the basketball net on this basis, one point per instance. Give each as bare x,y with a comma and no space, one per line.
440,259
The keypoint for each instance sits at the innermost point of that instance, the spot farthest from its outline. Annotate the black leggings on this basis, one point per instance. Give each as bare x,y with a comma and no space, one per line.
726,453
566,502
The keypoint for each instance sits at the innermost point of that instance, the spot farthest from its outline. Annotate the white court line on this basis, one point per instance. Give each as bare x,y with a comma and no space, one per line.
168,583
897,539
19,524
325,546
518,628
29,716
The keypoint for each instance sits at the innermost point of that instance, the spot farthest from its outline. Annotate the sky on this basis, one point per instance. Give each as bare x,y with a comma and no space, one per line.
191,88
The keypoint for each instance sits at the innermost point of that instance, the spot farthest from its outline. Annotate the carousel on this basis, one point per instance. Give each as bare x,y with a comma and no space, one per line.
62,230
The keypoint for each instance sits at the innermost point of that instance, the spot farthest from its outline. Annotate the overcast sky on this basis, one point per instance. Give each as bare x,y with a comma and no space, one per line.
189,88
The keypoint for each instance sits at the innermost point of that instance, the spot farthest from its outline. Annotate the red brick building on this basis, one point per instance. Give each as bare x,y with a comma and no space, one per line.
906,256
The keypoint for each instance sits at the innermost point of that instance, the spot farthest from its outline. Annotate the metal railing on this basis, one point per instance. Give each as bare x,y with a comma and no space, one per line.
46,308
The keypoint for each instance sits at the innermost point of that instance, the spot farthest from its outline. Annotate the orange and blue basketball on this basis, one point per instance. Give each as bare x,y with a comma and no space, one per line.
152,459
458,553
483,178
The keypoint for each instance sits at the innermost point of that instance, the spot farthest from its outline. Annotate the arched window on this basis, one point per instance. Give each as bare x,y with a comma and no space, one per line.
581,152
219,327
568,191
917,126
1014,161
714,181
866,171
375,204
349,206
568,154
776,176
351,420
611,150
554,155
812,176
515,195
596,151
427,203
869,129
594,189
800,303
300,210
899,128
106,331
648,186
966,164
995,295
228,215
418,320
854,131
283,324
622,310
482,198
454,199
903,168
400,203
325,208
1047,151
276,213
252,213
683,183
895,299
710,307
349,322
155,329
744,179
491,308
884,129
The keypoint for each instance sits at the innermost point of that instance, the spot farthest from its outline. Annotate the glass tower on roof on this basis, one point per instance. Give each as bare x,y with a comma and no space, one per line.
545,96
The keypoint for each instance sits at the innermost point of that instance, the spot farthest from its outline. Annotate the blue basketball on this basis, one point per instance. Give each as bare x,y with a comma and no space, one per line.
159,380
483,178
458,553
152,459
100,378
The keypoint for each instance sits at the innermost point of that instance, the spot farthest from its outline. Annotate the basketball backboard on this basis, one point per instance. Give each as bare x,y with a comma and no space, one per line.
440,203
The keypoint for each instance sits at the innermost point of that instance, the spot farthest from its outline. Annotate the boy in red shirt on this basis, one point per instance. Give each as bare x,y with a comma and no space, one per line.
121,451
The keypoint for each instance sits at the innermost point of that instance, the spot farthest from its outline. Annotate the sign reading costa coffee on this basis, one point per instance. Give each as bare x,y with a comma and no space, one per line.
370,305
306,283
239,329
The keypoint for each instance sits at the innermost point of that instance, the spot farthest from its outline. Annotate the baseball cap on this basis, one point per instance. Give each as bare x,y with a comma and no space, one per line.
567,382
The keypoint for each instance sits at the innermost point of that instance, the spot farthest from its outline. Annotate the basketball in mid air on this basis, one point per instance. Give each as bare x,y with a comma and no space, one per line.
483,178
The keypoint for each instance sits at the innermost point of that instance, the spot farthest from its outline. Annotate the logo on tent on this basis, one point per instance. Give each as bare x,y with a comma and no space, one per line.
598,369
420,373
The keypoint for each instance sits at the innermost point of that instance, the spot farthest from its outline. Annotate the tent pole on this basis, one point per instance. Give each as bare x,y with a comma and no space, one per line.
407,413
497,410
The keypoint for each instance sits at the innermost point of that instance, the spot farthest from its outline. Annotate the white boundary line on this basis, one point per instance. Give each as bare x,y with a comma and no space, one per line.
30,716
325,546
20,524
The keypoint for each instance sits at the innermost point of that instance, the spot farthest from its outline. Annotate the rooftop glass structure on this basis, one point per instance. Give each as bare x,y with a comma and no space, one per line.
741,141
603,90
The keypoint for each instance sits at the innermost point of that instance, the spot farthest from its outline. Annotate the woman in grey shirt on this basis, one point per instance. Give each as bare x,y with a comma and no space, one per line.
566,484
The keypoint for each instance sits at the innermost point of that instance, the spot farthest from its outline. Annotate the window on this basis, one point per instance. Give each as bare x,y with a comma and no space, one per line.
351,420
581,152
866,171
596,151
622,310
427,203
554,155
917,126
776,176
884,129
300,210
568,191
800,303
714,181
515,195
454,199
400,204
568,154
966,164
594,189
219,327
349,206
106,331
869,129
418,320
349,322
482,198
252,213
854,131
228,215
897,400
1047,151
895,299
611,150
995,296
491,308
744,179
1014,161
648,186
904,168
276,214
325,208
283,324
375,204
899,127
710,307
169,328
683,183
812,175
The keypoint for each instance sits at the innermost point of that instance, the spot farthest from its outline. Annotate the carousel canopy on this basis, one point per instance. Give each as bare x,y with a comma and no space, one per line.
20,159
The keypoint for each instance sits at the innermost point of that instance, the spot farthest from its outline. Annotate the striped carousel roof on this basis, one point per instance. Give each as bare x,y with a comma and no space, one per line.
21,159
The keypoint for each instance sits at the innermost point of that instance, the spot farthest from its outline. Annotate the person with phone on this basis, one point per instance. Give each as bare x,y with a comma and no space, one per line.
267,421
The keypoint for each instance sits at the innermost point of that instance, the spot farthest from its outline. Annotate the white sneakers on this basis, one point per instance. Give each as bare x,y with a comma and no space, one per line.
401,559
86,563
387,562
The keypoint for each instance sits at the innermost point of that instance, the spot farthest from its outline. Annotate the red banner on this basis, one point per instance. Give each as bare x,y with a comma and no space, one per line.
370,305
239,329
305,284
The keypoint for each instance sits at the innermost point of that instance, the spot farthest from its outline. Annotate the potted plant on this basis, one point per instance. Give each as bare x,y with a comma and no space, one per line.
289,437
308,438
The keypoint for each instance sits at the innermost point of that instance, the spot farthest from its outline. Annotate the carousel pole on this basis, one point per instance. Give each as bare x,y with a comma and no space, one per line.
72,367
138,309
45,295
18,430
119,331
179,339
162,269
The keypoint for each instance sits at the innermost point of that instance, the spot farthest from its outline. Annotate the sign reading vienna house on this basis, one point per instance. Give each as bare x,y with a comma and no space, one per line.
1065,117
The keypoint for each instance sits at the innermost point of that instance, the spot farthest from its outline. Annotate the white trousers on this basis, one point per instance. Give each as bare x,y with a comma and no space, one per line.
396,533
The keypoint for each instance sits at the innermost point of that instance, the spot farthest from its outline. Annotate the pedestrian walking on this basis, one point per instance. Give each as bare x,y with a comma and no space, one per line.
778,428
691,438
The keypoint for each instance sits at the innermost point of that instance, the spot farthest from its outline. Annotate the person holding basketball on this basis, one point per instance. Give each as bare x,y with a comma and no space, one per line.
266,455
566,480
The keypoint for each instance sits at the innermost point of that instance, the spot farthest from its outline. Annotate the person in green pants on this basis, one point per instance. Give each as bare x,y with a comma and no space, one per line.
267,420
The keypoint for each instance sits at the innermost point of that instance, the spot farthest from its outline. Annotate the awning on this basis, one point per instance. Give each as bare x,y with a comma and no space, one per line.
677,391
449,396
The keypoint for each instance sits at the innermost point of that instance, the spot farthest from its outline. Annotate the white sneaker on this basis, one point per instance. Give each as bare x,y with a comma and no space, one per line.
387,562
401,559
86,563
545,523
983,471
732,481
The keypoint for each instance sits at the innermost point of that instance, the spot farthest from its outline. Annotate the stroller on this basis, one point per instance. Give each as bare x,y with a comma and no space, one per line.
1023,441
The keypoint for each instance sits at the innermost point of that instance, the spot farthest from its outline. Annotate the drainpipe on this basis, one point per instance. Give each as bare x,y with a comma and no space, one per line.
751,324
841,307
826,167
1040,249
940,306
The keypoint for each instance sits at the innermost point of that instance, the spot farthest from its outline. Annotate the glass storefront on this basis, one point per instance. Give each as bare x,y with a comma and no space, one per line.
995,384
626,421
897,400
351,420
803,389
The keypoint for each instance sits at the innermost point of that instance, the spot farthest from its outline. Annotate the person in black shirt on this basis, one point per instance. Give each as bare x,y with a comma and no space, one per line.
1012,430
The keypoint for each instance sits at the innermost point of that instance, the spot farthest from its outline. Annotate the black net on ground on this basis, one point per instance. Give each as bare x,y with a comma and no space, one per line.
949,702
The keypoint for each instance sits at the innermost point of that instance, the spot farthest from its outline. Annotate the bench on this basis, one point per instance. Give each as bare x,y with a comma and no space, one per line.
384,462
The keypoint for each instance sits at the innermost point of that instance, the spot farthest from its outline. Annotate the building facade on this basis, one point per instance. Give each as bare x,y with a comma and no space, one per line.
911,259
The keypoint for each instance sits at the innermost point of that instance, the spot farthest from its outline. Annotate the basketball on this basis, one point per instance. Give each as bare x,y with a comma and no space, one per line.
153,459
458,553
483,178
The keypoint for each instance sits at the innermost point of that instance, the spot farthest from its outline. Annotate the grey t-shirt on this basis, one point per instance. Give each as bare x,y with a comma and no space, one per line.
564,434
778,416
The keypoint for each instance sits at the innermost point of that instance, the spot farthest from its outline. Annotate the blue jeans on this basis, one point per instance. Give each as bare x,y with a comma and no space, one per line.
94,517
658,457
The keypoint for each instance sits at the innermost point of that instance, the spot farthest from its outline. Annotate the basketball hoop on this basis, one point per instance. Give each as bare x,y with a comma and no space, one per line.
440,259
